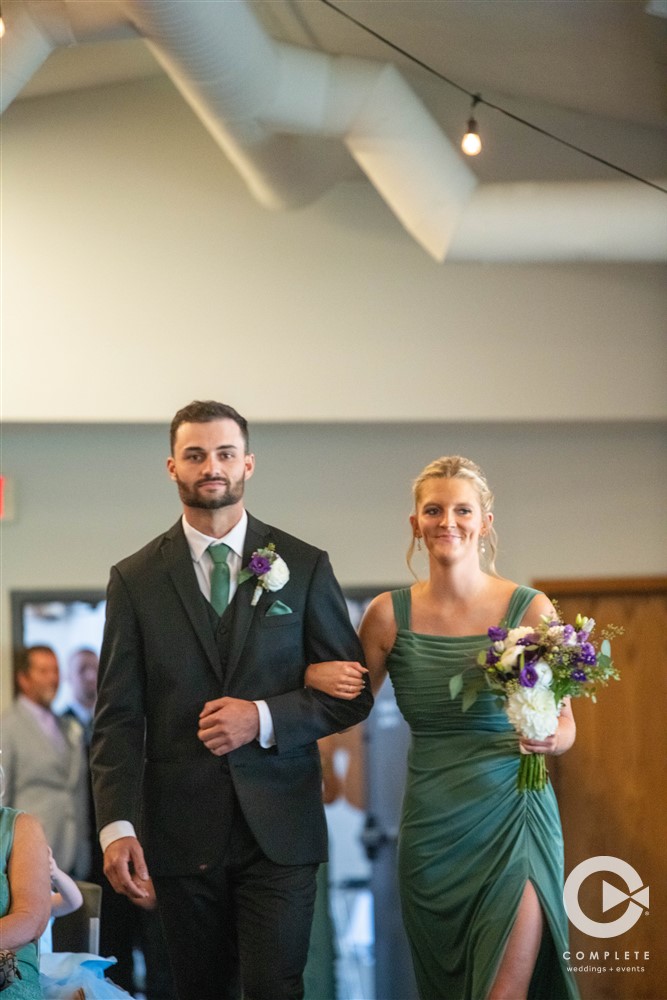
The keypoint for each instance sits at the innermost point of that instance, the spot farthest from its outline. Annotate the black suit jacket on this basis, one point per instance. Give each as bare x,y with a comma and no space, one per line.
162,660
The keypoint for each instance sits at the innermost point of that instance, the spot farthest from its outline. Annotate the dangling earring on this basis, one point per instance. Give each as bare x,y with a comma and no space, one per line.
482,546
419,542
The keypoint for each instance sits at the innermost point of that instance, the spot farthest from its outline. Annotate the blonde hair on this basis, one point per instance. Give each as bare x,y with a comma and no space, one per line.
458,467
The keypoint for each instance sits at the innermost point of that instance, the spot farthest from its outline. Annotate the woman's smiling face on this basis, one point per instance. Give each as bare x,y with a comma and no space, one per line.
449,518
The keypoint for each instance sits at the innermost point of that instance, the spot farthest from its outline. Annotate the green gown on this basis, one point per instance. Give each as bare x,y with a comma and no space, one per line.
469,841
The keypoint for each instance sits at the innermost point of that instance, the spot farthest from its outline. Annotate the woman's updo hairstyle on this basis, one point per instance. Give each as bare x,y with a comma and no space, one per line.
458,467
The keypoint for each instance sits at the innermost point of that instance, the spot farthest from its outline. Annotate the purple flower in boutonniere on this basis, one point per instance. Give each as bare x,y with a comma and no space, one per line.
269,569
259,565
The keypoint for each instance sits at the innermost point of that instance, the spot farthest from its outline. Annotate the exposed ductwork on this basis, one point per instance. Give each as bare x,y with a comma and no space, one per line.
275,108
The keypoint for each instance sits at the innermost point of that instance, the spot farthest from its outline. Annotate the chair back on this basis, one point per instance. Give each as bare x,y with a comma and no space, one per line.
80,931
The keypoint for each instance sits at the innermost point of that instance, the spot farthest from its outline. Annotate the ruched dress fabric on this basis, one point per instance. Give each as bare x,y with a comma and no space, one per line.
469,840
26,988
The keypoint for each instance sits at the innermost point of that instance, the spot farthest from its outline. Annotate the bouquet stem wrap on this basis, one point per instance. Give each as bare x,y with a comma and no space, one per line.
533,775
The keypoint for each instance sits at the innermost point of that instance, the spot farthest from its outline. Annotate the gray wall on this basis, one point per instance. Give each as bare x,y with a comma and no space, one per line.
139,271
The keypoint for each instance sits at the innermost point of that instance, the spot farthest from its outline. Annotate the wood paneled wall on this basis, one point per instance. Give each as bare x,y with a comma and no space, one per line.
611,784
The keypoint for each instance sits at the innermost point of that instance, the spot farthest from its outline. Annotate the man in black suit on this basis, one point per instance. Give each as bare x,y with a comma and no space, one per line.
205,736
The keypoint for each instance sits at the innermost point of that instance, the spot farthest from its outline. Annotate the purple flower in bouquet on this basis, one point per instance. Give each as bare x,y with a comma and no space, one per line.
497,634
578,675
528,677
587,654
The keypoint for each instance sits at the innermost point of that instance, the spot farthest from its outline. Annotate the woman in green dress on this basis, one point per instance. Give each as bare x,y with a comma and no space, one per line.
25,898
480,863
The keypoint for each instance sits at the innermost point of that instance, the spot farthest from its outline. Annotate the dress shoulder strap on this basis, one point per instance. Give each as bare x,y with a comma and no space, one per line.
401,599
518,605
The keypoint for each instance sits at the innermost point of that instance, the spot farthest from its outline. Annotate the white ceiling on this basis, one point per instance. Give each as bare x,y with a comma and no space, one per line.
592,71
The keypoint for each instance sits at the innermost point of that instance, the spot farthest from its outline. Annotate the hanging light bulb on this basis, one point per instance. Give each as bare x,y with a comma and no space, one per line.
2,24
471,143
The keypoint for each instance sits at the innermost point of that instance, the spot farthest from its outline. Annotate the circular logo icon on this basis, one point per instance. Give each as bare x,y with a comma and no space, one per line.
637,896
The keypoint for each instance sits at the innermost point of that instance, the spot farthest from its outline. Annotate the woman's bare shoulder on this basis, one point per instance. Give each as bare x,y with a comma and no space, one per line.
540,605
379,617
382,605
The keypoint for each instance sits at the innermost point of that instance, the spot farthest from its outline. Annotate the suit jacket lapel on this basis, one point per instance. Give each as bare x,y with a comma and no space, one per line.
178,562
241,609
72,731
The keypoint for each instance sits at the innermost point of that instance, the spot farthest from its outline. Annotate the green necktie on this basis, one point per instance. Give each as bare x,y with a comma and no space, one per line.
219,576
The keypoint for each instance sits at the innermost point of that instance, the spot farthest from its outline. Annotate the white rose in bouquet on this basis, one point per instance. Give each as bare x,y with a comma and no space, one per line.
533,712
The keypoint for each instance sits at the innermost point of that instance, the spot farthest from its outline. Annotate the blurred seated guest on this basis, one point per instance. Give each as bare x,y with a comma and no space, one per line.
24,902
44,761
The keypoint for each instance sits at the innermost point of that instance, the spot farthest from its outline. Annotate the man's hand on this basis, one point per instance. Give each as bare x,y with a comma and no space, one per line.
125,868
228,723
150,901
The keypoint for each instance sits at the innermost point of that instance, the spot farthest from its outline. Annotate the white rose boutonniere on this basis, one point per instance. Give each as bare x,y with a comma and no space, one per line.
270,570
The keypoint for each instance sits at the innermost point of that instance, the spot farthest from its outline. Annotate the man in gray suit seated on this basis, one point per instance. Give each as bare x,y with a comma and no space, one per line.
44,761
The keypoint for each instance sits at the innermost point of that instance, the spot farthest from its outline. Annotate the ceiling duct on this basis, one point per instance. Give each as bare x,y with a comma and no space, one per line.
275,108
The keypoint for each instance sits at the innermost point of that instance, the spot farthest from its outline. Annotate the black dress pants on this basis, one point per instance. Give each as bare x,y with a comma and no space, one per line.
242,928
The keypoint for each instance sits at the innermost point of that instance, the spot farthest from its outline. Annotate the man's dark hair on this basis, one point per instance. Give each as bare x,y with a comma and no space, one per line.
203,412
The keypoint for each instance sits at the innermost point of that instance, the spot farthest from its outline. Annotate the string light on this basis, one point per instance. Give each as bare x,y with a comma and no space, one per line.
471,144
488,104
2,23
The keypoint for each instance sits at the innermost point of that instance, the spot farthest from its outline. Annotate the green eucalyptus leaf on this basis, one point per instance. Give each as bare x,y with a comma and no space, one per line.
469,697
456,686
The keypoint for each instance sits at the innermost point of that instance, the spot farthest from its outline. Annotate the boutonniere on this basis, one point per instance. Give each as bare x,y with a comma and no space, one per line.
73,732
269,569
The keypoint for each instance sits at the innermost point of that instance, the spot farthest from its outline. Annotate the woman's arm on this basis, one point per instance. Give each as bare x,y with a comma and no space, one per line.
66,897
338,678
342,679
378,635
29,885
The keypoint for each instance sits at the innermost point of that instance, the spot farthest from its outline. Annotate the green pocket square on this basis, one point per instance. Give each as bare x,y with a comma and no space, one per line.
278,608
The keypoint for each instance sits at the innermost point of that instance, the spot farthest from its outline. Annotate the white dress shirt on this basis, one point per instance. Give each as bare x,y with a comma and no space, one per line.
198,544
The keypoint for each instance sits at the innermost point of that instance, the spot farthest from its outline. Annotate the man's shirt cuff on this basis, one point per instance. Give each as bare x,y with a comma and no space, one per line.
266,736
114,831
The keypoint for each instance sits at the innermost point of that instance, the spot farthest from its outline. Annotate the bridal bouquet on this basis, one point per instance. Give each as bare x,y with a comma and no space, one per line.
533,668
